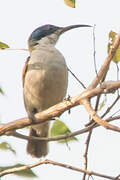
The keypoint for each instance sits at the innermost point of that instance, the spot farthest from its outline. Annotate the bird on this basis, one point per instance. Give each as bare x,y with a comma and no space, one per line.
45,80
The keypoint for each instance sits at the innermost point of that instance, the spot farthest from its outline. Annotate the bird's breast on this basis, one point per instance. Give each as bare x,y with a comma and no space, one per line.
46,79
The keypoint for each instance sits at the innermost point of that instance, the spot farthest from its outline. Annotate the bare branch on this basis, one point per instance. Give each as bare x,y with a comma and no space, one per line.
15,49
88,93
13,170
86,152
111,106
76,78
57,138
76,133
107,111
58,109
94,53
105,66
96,118
89,135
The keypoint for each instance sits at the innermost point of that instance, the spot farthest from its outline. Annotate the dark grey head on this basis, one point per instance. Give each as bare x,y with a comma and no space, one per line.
42,31
49,31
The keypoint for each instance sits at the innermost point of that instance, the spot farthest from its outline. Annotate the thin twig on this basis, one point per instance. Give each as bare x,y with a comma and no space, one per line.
88,139
107,110
94,51
65,105
117,72
117,76
104,68
111,106
96,118
86,152
115,112
76,78
67,166
101,75
19,49
58,109
96,106
57,138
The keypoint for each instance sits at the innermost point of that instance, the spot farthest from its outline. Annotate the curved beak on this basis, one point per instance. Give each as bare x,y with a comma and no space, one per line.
64,29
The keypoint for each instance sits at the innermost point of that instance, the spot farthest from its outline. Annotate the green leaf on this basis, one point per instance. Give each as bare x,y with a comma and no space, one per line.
101,105
3,45
5,146
58,129
25,173
1,91
70,3
112,36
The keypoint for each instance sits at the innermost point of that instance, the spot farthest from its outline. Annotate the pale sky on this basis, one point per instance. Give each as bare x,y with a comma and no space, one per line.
18,20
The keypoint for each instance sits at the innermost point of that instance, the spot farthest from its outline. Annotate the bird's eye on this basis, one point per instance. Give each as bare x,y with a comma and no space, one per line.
36,44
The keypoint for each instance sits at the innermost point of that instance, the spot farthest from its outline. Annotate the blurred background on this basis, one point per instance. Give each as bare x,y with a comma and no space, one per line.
18,20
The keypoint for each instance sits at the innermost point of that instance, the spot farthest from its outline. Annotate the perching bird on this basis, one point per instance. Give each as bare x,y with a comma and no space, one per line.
45,80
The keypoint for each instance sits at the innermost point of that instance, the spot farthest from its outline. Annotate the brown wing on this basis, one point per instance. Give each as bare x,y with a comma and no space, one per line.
25,70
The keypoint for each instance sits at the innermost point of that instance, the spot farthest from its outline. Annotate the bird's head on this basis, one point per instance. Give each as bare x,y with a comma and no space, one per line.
48,34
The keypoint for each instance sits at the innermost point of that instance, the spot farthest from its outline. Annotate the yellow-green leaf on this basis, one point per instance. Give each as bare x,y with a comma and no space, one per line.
1,91
59,128
5,146
101,105
3,45
112,36
70,3
25,173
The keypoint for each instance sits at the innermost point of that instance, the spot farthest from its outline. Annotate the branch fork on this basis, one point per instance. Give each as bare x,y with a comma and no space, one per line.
81,99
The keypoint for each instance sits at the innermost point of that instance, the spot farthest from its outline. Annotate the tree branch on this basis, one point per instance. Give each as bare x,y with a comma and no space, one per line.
15,49
76,78
96,118
58,109
111,106
57,138
104,68
13,170
86,152
88,93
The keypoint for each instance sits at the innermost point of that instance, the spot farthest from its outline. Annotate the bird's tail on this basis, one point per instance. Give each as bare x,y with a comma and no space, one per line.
38,148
